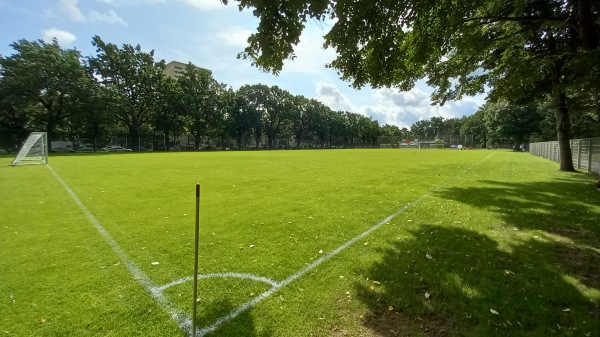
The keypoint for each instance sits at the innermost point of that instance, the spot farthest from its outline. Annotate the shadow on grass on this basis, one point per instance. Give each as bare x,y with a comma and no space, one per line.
567,207
454,292
242,325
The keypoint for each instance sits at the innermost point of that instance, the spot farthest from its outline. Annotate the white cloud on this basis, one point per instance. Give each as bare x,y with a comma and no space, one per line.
395,107
205,5
63,37
405,108
117,3
330,95
69,8
109,17
235,36
311,58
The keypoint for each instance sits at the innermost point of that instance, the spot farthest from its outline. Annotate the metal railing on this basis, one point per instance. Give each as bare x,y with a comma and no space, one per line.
585,152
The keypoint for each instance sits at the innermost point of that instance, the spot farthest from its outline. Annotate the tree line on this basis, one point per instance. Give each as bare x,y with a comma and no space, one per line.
122,95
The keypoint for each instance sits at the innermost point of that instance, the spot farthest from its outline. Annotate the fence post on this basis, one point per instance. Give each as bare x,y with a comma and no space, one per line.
589,168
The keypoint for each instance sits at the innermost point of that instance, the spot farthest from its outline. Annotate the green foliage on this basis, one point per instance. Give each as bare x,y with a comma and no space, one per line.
132,78
201,104
41,86
475,125
509,123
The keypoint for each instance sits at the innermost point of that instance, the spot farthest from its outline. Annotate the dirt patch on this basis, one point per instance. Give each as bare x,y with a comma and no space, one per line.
398,324
575,234
581,263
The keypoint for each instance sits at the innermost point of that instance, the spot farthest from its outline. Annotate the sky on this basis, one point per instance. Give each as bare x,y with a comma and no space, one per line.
210,35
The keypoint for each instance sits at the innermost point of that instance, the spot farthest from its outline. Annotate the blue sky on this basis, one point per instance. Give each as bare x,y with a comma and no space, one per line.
210,35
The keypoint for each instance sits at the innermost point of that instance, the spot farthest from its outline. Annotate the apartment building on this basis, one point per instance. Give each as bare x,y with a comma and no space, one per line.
176,69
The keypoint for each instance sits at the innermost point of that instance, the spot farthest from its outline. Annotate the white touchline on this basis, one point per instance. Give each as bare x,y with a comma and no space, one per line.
183,320
233,314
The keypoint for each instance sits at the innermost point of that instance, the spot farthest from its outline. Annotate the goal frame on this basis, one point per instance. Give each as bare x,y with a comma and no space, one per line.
35,140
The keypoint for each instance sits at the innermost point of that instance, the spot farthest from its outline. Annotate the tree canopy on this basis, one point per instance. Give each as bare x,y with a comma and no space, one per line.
522,50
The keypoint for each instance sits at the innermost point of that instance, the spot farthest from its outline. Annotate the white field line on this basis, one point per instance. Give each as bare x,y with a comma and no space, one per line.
184,321
233,314
227,274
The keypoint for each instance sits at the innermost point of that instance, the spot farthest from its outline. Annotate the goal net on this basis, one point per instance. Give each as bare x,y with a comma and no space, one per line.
34,150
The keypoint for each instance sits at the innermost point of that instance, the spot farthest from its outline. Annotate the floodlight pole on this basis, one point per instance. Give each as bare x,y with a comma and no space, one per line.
196,239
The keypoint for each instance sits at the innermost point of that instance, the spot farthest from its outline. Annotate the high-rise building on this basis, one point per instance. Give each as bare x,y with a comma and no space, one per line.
176,69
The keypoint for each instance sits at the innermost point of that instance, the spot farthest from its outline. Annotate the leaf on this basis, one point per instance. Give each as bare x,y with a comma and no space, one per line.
429,256
494,312
390,308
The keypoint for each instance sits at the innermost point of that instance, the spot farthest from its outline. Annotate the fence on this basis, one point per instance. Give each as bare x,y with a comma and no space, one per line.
585,152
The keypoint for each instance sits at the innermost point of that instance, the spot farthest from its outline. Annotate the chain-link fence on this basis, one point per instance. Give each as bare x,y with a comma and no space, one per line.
585,152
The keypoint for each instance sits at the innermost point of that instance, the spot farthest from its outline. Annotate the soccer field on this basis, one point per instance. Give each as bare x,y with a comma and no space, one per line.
299,243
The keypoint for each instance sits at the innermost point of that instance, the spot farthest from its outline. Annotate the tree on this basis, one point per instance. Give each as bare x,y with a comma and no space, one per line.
391,130
423,129
44,75
369,130
266,112
300,119
201,102
170,117
321,122
133,79
437,125
510,122
239,121
352,127
96,121
459,46
474,125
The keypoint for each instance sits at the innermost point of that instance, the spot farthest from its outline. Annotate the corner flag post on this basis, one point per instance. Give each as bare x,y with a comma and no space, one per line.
196,239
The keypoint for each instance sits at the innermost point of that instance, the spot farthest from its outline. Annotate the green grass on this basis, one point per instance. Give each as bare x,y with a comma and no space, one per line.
512,234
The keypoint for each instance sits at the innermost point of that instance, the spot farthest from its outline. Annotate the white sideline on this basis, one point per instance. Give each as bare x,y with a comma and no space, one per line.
233,314
184,321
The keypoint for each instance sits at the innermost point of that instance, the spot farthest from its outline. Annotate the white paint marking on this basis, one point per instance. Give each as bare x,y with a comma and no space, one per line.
233,314
183,320
227,274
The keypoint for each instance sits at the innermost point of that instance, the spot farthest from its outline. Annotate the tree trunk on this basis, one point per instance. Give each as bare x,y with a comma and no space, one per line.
197,143
563,124
257,135
239,140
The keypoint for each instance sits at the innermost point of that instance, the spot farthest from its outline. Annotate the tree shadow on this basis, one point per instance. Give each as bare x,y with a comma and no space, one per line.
448,281
562,206
242,325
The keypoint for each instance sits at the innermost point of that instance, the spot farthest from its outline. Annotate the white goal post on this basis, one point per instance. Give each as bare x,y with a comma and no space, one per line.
34,150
